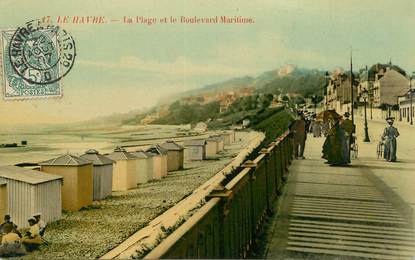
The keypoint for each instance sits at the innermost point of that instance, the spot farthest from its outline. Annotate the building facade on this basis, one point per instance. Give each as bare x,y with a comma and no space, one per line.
339,92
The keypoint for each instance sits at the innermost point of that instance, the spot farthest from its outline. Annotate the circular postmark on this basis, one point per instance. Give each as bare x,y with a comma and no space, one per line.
41,53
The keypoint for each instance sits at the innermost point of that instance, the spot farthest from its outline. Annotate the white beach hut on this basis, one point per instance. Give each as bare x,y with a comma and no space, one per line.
219,142
102,173
29,192
228,137
211,148
159,156
195,149
124,176
175,155
144,166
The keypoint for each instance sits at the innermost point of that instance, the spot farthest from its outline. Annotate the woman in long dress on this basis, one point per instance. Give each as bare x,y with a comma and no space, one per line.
335,146
389,138
315,128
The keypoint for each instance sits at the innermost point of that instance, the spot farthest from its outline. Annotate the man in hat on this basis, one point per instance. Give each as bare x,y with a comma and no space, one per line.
349,129
298,130
40,223
390,133
8,222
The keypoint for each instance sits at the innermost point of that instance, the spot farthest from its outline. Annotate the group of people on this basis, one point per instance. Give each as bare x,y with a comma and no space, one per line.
340,137
14,243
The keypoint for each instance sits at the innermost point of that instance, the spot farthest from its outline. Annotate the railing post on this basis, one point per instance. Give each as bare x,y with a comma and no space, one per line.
252,166
278,168
226,196
269,190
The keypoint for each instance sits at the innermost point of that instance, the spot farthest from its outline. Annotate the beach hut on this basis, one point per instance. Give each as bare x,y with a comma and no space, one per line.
195,149
228,137
219,142
144,166
124,175
211,147
175,155
201,127
77,173
102,174
29,192
3,198
159,156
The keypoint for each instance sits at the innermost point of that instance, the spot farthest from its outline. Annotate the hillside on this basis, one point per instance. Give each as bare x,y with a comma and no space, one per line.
287,79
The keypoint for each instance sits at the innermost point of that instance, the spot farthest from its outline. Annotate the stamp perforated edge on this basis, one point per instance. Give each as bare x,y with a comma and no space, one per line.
22,98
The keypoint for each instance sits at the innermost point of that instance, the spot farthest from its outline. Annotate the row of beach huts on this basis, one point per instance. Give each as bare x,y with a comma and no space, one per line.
71,182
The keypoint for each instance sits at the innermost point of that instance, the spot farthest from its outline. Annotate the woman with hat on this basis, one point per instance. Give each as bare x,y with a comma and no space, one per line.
10,243
32,238
389,139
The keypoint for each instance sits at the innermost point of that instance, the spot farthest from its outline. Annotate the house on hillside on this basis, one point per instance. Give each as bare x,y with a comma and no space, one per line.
201,127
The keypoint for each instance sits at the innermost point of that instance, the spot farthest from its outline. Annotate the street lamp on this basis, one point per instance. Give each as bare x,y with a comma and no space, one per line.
365,96
327,77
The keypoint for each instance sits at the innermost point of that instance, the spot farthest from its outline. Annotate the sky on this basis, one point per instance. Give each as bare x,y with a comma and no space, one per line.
123,67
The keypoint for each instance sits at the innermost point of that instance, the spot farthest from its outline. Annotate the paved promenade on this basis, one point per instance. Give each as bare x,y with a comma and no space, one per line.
360,211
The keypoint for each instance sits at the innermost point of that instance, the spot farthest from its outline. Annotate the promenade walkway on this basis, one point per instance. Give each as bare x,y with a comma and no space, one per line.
341,212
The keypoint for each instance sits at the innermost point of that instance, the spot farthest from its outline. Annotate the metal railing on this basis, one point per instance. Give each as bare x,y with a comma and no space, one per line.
226,225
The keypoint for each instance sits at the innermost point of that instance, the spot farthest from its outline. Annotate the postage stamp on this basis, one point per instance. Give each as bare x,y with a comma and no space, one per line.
35,58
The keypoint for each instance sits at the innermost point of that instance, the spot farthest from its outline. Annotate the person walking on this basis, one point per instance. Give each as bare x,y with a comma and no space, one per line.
349,128
335,146
390,133
315,127
325,128
298,130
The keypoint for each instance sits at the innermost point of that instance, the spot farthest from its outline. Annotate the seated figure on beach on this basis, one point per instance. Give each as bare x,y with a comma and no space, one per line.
11,244
8,222
32,238
42,225
335,146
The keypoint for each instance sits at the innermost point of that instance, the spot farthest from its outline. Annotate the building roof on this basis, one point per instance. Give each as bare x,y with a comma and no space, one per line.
120,154
197,142
172,146
370,74
140,154
216,138
96,158
26,175
156,149
66,160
